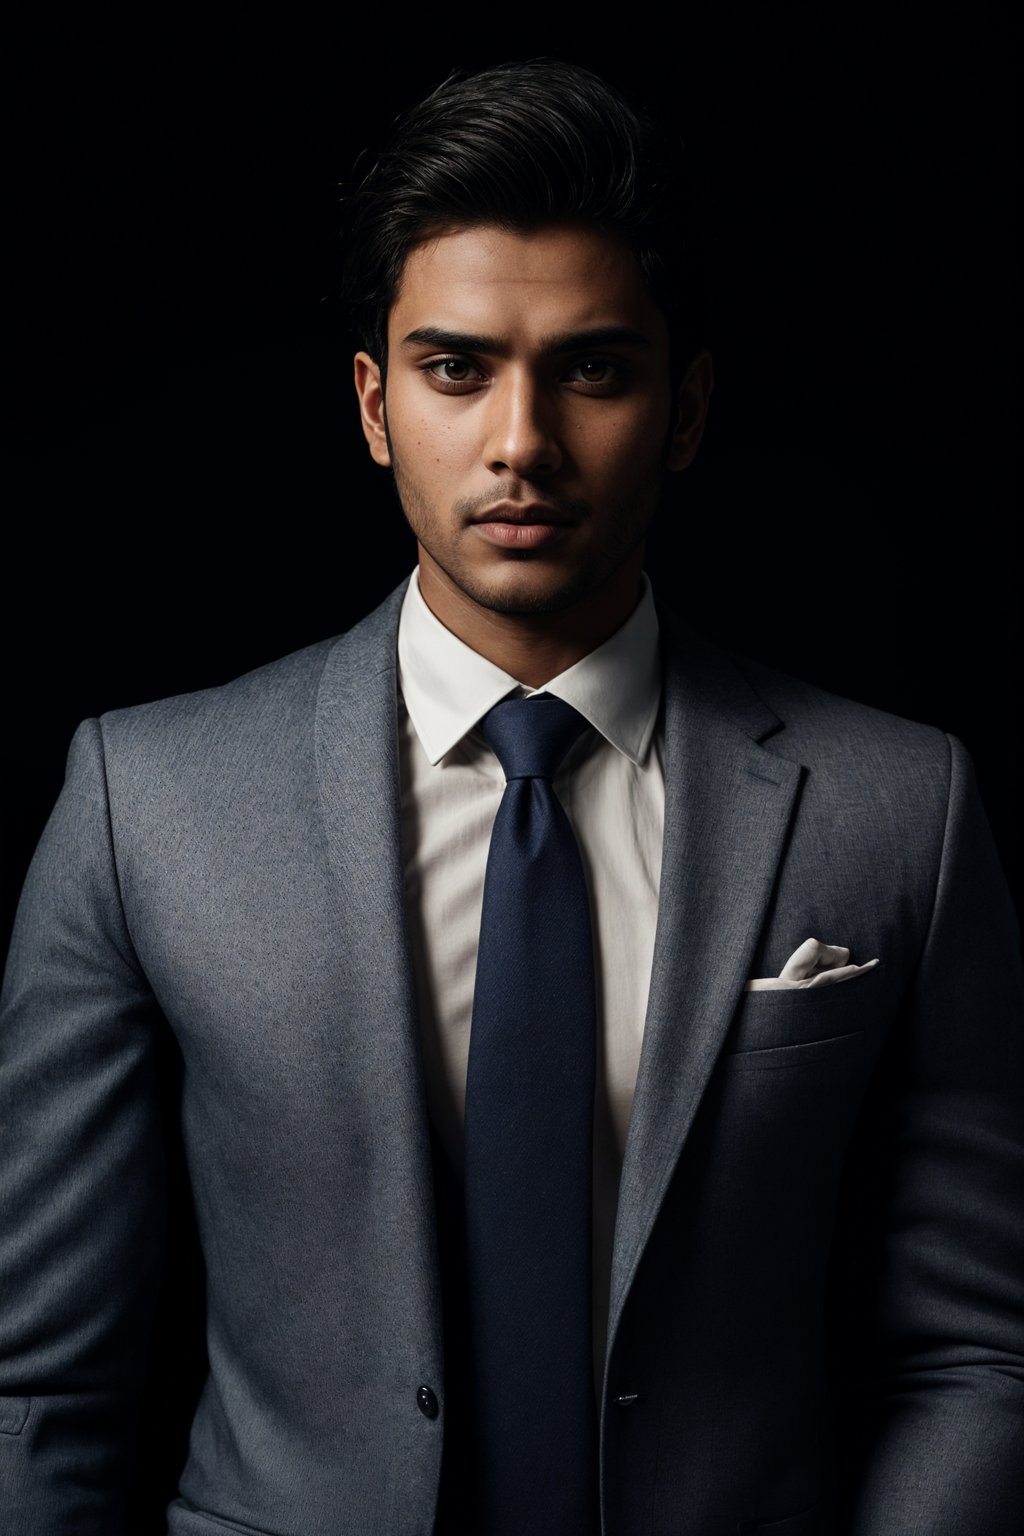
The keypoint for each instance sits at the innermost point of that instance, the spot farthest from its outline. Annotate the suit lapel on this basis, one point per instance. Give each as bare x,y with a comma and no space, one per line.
360,799
728,804
360,802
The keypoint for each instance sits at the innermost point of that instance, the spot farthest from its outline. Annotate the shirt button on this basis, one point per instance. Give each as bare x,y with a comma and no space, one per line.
426,1402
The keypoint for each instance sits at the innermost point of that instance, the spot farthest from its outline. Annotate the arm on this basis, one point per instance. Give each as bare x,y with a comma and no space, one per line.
929,1259
81,1176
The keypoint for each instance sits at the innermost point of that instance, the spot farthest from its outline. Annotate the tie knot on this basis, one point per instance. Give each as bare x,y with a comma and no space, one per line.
530,737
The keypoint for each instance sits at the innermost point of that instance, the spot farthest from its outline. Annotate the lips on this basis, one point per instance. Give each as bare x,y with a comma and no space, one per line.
518,514
525,532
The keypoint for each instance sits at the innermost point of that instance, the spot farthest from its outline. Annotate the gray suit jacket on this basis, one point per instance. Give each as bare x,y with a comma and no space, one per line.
816,1294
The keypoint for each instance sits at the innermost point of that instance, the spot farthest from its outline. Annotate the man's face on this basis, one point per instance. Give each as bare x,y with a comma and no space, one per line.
528,415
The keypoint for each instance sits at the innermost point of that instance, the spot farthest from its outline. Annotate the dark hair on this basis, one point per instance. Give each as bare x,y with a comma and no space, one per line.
523,145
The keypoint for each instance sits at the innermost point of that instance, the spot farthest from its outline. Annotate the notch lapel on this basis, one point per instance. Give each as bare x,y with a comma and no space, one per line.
728,805
360,802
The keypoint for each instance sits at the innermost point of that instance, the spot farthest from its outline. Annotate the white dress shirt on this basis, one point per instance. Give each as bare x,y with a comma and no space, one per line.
612,787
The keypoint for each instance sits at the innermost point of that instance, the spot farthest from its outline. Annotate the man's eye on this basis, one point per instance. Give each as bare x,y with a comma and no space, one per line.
596,370
453,370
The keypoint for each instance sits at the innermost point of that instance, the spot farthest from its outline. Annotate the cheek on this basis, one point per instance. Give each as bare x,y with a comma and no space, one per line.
430,444
622,448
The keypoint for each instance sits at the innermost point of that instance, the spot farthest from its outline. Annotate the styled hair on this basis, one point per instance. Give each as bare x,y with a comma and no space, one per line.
523,145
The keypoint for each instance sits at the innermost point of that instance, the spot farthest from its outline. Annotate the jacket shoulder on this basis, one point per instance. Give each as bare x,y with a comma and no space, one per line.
789,715
819,726
270,689
273,703
855,753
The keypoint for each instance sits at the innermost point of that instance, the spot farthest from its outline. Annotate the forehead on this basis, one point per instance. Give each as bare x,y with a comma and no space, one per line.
522,286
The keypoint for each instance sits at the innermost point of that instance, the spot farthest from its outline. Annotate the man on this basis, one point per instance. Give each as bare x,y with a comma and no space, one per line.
553,989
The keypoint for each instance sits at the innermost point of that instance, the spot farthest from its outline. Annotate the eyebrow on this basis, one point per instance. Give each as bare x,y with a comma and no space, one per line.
551,346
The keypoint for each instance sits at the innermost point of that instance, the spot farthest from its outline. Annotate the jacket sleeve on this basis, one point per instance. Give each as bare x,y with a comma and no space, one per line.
81,1176
929,1260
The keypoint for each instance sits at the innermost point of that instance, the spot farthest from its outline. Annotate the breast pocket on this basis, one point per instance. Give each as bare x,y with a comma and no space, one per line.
796,1026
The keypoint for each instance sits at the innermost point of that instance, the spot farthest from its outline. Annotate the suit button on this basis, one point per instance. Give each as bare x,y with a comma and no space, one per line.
627,1399
426,1402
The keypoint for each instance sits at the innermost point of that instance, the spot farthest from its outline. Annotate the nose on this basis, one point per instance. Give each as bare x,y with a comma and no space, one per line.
522,430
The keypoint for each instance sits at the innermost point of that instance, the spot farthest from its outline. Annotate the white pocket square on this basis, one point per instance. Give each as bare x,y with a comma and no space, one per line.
814,964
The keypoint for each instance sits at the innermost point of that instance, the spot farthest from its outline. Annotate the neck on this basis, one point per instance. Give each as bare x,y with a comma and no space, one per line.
533,647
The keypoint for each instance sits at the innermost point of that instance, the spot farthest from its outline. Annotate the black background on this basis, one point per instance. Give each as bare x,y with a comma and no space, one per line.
193,495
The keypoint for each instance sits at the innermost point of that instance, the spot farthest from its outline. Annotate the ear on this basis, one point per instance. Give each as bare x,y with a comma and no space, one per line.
371,407
691,410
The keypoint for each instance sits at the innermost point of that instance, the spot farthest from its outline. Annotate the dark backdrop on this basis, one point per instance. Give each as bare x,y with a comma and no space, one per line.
193,496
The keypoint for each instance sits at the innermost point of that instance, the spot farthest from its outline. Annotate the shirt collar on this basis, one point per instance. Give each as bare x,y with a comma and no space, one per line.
447,686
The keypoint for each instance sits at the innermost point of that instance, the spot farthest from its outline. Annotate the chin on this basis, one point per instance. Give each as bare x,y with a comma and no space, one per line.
521,592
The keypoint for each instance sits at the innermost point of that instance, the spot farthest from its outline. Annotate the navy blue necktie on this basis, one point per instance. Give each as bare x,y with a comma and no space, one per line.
528,1147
